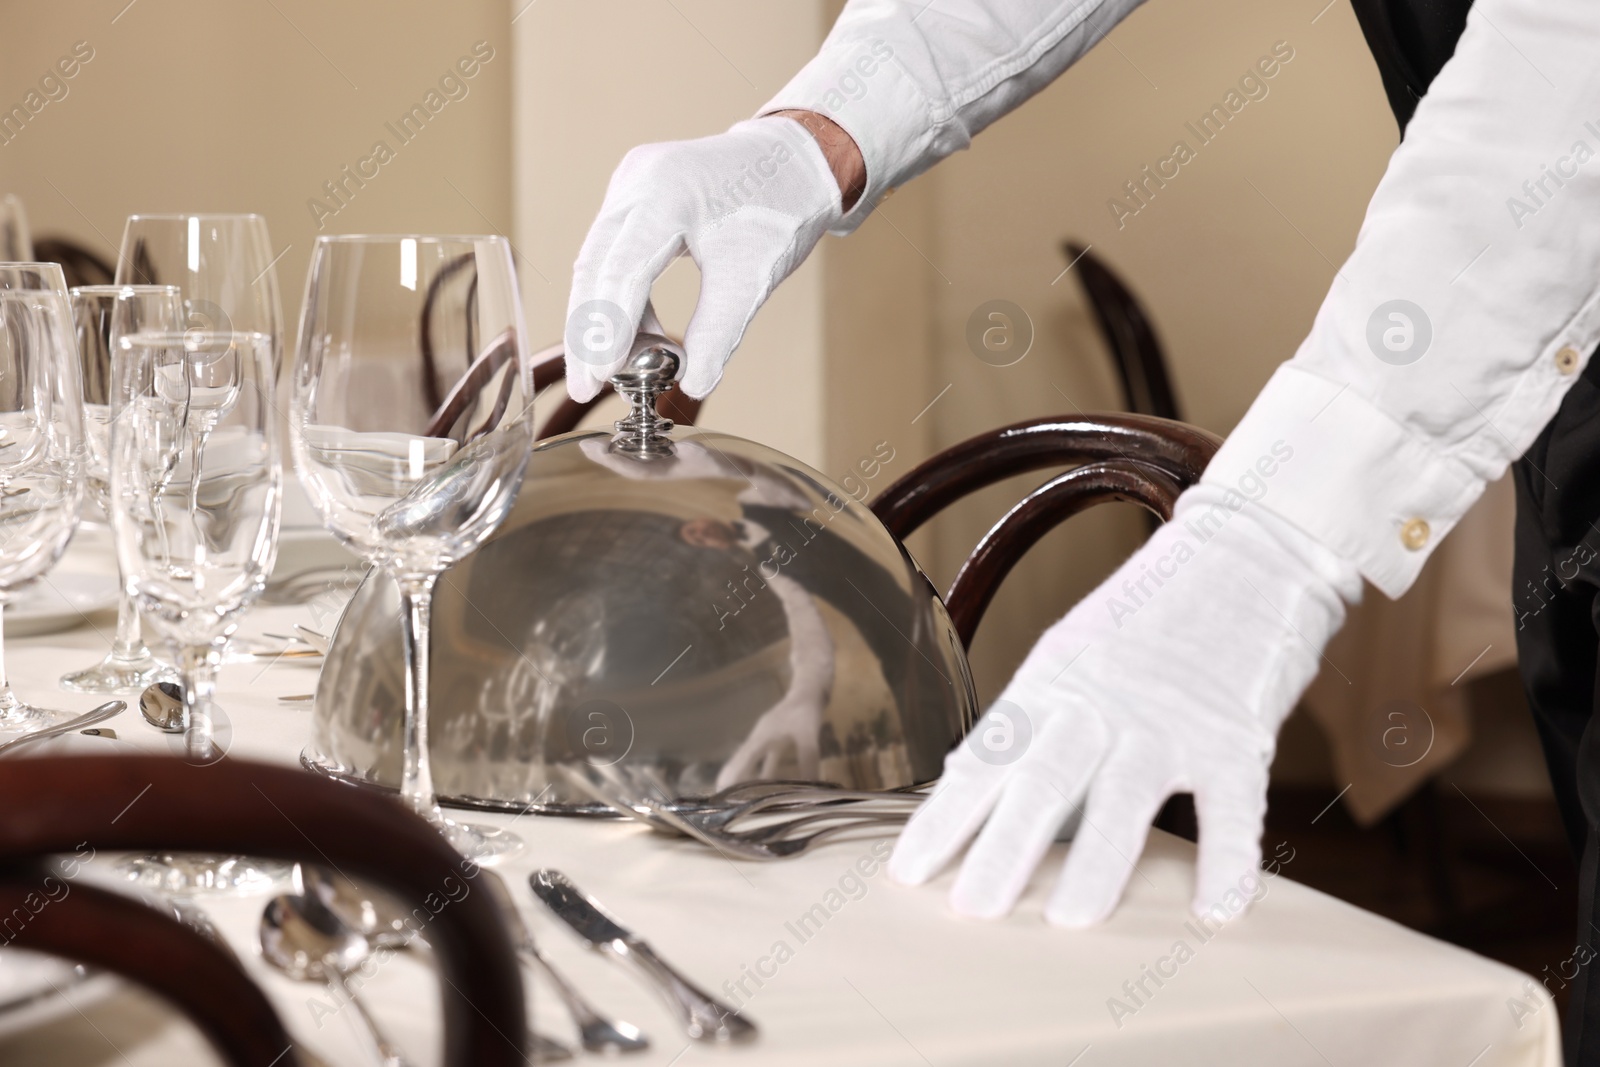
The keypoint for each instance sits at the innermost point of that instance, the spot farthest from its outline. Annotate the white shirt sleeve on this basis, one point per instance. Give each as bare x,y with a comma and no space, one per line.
1469,306
914,80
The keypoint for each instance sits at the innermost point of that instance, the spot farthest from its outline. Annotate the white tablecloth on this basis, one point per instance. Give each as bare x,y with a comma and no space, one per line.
879,974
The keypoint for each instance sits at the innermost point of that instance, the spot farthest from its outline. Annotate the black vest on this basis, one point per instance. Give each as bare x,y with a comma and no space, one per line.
1411,41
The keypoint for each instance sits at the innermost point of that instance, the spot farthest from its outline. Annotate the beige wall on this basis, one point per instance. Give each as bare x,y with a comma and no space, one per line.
203,106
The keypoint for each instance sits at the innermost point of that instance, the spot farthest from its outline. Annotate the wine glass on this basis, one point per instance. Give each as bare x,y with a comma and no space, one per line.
223,264
41,455
31,277
411,425
16,246
196,488
129,665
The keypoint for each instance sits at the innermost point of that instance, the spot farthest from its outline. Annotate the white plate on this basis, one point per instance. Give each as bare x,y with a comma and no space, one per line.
59,601
36,989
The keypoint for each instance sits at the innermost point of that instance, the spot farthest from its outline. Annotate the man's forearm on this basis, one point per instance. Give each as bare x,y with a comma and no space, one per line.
839,149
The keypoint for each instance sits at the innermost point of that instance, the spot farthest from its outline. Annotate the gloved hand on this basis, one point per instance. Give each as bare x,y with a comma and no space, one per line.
1173,676
748,205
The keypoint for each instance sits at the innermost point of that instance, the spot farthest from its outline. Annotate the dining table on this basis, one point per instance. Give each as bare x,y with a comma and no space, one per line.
832,960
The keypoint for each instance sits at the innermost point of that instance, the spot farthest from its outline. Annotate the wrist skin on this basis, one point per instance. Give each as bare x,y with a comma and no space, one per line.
839,149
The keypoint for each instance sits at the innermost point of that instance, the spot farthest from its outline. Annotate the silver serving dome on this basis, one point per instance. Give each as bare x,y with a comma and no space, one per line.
680,608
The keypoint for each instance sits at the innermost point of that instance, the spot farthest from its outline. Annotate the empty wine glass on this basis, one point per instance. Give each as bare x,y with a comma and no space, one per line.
129,665
223,264
195,482
41,455
32,277
411,426
196,488
16,246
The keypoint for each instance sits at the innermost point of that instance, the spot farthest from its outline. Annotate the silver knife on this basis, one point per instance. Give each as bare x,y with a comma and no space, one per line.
704,1017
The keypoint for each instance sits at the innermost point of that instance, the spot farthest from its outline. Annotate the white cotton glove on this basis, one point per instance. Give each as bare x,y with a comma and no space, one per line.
1173,676
748,205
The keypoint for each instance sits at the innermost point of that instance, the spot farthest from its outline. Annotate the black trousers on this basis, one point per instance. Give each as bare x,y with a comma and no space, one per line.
1556,597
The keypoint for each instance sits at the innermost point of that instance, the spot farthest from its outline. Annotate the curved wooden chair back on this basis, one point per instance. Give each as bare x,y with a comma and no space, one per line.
81,265
1135,349
1134,458
58,805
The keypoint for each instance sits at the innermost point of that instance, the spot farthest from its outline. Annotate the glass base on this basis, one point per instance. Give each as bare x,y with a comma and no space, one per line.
483,845
17,718
115,674
200,874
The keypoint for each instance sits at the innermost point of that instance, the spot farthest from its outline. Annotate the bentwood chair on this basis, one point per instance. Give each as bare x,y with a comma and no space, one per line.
54,805
80,265
1135,458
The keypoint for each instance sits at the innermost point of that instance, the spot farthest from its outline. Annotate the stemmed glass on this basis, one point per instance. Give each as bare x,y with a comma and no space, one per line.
41,455
129,665
16,246
223,264
196,488
32,277
411,426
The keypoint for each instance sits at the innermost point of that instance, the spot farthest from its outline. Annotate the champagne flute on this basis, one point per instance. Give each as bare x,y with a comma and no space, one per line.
411,426
16,245
41,455
129,664
196,487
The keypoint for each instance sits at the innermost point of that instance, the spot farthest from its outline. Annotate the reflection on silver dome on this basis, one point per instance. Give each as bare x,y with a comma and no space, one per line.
692,607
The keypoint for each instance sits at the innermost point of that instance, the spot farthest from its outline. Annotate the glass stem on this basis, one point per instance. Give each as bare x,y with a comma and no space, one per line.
128,646
198,665
416,776
8,699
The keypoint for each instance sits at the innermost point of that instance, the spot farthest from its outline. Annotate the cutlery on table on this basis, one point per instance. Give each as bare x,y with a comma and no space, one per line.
105,711
770,842
302,937
161,705
704,1017
385,927
596,1032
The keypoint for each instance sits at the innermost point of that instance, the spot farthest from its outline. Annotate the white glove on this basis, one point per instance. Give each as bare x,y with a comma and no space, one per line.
748,205
1173,676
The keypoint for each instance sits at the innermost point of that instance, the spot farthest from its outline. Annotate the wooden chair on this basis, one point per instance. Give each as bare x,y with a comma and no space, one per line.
81,265
1135,458
1140,361
151,803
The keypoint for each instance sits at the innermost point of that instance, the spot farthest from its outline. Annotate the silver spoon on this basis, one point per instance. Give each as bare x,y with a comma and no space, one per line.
386,927
161,704
304,939
77,722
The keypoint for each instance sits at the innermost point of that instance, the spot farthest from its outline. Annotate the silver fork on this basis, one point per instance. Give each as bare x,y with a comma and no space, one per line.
765,843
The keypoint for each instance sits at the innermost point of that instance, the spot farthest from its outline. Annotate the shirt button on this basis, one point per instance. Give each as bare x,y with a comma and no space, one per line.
1414,534
1567,359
